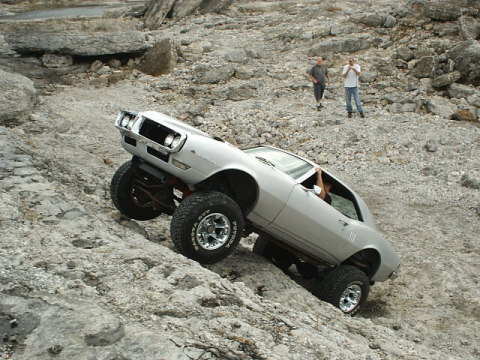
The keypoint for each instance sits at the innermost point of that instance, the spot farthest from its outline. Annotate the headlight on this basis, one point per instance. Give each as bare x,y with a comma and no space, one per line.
130,123
169,139
124,121
176,141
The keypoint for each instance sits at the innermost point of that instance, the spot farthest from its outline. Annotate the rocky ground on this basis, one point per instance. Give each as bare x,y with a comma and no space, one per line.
78,281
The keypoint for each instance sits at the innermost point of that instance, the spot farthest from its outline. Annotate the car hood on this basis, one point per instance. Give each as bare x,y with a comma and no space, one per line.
174,124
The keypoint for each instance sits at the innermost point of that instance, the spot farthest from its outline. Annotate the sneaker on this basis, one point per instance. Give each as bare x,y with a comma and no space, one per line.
362,115
319,106
350,114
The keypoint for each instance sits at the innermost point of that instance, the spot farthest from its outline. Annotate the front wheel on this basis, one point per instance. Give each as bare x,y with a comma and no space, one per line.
346,287
207,226
131,196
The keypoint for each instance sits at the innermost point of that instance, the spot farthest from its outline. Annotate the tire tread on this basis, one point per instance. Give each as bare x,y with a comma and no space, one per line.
179,230
335,279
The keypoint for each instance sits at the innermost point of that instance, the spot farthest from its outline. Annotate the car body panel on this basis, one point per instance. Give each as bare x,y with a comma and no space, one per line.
284,207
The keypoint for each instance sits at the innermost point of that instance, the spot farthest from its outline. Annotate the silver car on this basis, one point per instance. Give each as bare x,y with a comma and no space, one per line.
217,193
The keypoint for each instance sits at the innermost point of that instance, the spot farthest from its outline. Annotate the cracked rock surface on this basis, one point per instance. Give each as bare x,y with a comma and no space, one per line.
79,281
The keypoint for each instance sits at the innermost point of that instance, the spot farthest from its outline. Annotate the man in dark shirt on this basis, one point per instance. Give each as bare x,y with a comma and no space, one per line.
319,76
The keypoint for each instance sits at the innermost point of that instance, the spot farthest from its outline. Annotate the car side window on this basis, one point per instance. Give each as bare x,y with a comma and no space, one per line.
345,206
342,198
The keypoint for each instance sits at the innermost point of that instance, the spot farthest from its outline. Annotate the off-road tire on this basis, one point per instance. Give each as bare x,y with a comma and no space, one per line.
122,192
279,256
342,281
194,229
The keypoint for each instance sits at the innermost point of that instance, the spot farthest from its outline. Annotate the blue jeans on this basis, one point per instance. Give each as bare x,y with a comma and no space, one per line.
349,91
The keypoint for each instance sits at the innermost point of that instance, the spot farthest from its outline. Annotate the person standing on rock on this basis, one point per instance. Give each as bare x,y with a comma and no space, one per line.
351,73
319,76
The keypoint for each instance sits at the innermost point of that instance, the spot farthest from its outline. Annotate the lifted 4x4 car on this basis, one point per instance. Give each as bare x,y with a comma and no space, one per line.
217,193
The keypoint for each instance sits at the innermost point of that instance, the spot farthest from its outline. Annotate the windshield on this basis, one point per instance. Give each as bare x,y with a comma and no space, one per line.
289,164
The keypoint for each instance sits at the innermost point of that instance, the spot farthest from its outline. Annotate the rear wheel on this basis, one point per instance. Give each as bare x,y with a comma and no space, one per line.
132,194
207,226
281,257
346,287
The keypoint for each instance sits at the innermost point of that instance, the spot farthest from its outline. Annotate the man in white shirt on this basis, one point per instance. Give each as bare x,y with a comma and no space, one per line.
351,73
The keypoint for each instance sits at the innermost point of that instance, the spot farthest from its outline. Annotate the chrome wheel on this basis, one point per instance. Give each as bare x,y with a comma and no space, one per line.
213,231
350,298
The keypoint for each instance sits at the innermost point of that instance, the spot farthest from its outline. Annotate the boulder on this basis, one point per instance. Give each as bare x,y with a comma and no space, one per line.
466,56
373,20
385,67
441,11
156,11
446,29
424,50
469,28
333,46
440,106
236,56
461,91
259,7
465,115
242,92
160,59
404,52
424,68
215,75
79,43
470,182
17,98
56,61
446,79
390,21
431,146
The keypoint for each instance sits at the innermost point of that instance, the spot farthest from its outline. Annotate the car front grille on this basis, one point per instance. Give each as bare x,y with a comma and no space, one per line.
154,131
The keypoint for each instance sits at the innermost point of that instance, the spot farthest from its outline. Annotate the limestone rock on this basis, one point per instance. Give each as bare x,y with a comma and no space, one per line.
56,61
17,97
79,281
431,146
425,67
461,91
160,59
465,115
56,40
236,56
215,75
469,28
446,79
440,106
470,182
156,11
442,11
106,330
374,20
466,56
405,53
240,93
334,46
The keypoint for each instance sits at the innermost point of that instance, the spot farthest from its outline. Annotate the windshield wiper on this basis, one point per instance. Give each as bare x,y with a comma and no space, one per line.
265,161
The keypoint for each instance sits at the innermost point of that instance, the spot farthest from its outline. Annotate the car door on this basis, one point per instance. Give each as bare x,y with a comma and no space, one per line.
310,223
274,190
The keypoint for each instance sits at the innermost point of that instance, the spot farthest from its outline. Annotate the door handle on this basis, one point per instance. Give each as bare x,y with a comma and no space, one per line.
343,223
